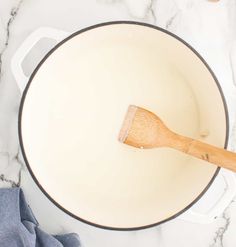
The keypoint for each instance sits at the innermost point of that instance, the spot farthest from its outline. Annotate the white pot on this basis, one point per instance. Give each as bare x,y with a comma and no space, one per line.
73,105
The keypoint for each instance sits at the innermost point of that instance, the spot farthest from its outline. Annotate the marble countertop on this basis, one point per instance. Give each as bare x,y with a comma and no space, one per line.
209,26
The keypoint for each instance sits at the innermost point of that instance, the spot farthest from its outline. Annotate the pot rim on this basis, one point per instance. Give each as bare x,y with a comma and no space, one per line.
40,64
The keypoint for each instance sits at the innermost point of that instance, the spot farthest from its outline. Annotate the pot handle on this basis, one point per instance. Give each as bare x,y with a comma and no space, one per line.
26,46
219,207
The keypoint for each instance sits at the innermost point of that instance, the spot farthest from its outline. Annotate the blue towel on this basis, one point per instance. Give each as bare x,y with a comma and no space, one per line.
19,228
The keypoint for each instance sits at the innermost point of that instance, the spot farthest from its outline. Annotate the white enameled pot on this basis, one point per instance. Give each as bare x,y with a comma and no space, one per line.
74,102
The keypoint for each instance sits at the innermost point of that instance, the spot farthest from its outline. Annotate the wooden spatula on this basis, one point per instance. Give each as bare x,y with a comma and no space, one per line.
143,129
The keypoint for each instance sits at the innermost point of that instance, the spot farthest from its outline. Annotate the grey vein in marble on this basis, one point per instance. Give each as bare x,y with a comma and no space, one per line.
171,20
147,11
18,159
150,9
6,177
11,182
3,177
13,14
219,234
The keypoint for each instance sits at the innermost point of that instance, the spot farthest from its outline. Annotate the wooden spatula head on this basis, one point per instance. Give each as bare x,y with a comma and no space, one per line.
143,129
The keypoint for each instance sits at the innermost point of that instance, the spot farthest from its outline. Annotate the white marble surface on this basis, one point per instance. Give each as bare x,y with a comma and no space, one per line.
208,26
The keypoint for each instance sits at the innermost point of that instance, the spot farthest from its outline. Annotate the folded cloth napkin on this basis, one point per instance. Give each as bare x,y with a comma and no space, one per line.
19,228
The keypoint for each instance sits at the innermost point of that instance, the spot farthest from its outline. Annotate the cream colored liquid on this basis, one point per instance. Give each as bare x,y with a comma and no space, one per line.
71,119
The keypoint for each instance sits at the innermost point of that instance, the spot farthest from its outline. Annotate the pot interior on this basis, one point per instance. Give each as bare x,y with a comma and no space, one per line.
73,109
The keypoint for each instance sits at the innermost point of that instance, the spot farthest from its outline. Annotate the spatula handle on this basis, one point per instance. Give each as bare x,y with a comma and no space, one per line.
204,151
